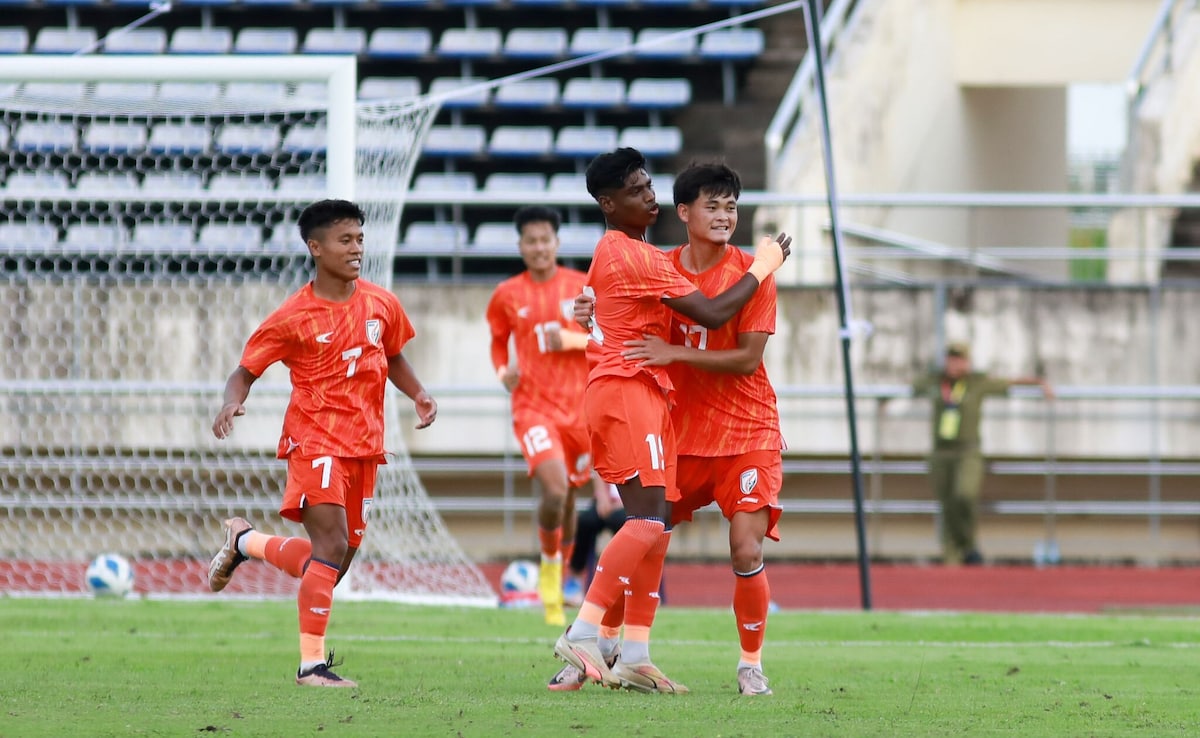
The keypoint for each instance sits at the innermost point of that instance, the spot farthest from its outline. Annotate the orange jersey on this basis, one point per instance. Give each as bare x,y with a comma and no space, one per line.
524,309
719,414
630,278
337,353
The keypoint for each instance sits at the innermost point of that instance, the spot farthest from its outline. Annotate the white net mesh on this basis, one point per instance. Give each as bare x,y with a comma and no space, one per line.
147,228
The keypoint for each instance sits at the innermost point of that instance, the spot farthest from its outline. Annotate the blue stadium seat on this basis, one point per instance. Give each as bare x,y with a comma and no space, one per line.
469,43
435,238
587,41
678,48
114,138
179,138
303,186
240,183
389,88
650,93
306,139
118,93
105,184
17,237
541,92
254,94
593,92
265,41
103,237
732,43
285,238
522,141
137,41
201,41
311,91
585,141
200,95
400,43
54,40
27,182
495,238
45,136
653,141
536,43
508,183
477,98
460,182
258,138
162,237
54,91
14,40
335,41
172,184
579,239
567,183
230,237
455,141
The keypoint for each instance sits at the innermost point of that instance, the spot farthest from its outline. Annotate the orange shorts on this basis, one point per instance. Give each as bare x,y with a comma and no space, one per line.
334,480
631,432
744,483
542,438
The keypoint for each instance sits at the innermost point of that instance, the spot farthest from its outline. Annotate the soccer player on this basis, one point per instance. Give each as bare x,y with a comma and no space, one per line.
341,337
636,287
536,310
726,418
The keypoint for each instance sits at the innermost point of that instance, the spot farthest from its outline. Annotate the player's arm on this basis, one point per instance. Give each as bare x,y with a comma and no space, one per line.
237,389
714,312
1047,389
745,359
401,374
501,332
564,339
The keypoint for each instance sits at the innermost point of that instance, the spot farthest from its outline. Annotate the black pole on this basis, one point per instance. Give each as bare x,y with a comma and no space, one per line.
813,24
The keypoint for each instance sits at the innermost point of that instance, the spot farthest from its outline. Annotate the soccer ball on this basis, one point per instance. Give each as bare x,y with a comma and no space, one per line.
520,577
110,575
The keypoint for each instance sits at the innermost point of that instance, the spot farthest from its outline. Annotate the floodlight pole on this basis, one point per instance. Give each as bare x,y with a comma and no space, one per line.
813,26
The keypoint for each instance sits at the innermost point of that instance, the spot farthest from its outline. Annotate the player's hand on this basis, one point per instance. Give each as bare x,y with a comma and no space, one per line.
553,336
1048,391
649,351
223,424
426,408
769,255
585,307
510,377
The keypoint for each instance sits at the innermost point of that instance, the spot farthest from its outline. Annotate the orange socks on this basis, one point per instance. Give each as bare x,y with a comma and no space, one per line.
551,541
618,564
642,603
314,603
286,554
751,598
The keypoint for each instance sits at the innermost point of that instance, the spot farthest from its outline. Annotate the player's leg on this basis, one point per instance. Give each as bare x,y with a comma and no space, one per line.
968,484
551,475
326,526
942,469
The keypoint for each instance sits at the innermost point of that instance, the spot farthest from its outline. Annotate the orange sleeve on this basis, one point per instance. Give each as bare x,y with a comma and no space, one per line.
267,345
501,328
648,272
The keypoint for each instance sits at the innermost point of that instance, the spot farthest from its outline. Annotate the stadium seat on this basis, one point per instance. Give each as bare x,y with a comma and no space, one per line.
453,141
477,96
115,138
254,94
240,183
119,93
103,237
579,239
104,184
593,92
732,43
536,43
45,136
653,141
650,93
159,237
265,41
303,186
389,88
435,238
55,40
311,91
33,235
469,43
496,238
461,182
25,182
522,141
676,48
400,43
230,237
508,183
585,141
198,94
306,139
171,184
567,183
137,41
285,238
179,138
587,41
14,40
201,41
54,91
259,138
335,41
541,92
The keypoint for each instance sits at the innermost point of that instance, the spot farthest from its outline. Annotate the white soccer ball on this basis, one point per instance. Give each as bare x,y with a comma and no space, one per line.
110,575
520,576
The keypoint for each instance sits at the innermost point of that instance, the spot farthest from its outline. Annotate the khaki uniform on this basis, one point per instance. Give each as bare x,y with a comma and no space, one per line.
956,464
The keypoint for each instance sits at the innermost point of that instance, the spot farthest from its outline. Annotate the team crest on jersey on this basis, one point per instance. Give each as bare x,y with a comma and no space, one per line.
568,309
374,330
749,481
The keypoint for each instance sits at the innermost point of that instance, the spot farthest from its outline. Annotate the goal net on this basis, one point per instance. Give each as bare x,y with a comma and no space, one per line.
148,226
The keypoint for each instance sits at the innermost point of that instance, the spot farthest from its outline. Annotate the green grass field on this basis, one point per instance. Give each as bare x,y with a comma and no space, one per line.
100,668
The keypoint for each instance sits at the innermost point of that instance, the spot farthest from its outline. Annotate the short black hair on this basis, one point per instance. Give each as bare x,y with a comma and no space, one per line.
324,213
715,179
607,172
537,214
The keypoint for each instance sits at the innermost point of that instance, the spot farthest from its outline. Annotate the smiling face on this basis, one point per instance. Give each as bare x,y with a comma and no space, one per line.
710,219
633,208
337,249
539,247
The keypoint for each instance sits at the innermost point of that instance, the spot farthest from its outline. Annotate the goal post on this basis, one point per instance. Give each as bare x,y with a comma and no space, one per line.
147,226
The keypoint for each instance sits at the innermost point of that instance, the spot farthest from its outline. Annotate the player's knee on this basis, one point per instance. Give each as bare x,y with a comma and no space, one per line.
745,553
